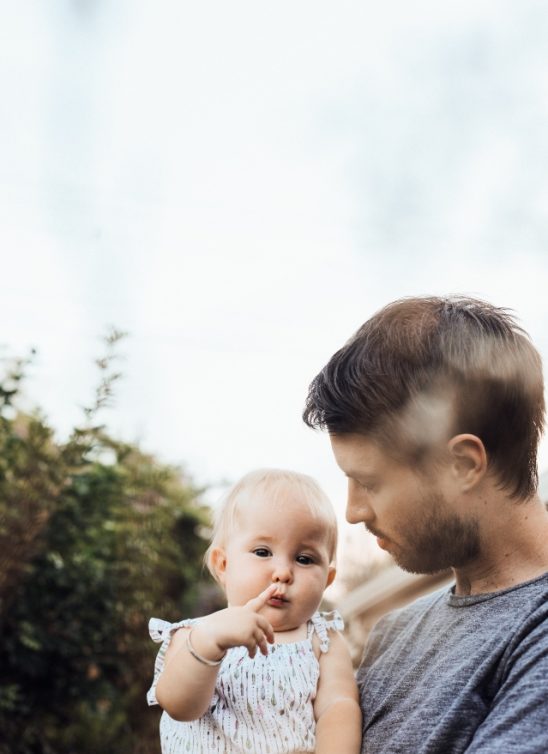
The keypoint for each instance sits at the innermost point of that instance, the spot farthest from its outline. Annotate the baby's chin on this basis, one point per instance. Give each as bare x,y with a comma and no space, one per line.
285,625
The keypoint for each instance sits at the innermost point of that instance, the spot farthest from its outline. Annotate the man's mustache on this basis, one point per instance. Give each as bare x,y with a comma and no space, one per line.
375,532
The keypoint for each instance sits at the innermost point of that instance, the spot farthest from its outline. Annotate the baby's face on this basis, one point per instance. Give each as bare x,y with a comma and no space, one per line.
287,546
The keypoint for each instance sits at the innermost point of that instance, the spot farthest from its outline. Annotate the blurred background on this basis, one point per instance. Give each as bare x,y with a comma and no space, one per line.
237,187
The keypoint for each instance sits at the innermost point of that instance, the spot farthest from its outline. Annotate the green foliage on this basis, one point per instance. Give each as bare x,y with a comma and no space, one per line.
95,537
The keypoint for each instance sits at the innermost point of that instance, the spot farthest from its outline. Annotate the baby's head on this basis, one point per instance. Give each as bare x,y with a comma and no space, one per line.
275,526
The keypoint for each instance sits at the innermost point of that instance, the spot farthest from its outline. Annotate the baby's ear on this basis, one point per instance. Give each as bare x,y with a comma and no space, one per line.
331,573
217,560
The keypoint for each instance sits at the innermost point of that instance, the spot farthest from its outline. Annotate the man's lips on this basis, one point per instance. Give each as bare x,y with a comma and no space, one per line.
382,541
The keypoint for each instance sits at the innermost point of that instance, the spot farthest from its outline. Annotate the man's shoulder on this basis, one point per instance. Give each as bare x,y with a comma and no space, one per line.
514,610
399,622
433,670
403,615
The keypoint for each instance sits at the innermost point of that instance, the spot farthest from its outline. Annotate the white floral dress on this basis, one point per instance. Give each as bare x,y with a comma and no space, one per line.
260,706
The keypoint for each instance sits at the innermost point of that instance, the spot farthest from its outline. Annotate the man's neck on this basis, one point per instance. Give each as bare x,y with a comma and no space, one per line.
514,549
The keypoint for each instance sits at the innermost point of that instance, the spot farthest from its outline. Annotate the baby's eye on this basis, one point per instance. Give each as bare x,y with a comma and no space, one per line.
261,552
305,559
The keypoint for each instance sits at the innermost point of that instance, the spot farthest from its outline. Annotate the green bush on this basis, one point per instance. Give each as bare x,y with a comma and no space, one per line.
95,537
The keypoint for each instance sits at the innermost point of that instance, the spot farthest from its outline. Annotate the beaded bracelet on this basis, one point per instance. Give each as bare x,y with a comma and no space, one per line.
203,660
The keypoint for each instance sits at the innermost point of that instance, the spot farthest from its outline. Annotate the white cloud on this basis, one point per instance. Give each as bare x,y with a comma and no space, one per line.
240,185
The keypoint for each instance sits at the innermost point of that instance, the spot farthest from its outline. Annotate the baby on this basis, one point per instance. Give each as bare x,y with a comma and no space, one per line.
269,674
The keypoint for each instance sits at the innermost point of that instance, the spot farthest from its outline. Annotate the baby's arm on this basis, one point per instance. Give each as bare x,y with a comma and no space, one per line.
336,707
186,685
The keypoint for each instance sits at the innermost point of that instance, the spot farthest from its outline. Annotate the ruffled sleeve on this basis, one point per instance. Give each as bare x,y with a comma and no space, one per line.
161,632
323,623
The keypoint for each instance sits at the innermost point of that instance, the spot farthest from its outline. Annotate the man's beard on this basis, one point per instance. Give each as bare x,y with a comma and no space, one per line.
437,539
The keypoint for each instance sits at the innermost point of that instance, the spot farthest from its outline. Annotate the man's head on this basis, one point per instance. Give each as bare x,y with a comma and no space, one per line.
424,370
424,519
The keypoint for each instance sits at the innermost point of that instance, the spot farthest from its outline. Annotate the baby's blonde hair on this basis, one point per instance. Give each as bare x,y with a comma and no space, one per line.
272,484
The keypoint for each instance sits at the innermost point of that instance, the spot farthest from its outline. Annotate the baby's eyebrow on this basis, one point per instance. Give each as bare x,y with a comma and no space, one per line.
312,547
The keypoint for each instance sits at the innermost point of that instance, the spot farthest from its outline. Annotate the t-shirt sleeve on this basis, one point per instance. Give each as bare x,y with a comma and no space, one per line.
517,721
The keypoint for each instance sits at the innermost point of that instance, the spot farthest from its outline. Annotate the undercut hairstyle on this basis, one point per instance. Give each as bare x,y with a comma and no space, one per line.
423,370
273,487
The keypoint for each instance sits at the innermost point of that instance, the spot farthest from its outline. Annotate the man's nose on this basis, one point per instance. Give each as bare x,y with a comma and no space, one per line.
358,508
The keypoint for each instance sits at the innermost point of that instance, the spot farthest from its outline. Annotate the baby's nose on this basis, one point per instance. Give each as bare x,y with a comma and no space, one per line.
282,573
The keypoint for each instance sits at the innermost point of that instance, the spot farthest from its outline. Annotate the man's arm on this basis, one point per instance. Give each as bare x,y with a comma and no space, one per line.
517,722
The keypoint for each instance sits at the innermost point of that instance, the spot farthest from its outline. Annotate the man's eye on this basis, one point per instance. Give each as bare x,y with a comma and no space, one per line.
305,559
261,552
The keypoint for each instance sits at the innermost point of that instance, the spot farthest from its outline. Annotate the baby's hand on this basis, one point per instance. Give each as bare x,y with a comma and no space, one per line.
236,627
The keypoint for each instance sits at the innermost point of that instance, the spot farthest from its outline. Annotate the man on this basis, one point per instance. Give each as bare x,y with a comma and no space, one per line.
435,408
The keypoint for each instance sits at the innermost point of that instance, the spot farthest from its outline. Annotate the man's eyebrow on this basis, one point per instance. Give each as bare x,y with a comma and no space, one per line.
360,475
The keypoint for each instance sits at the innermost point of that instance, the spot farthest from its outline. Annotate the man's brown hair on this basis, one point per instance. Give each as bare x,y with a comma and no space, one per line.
422,370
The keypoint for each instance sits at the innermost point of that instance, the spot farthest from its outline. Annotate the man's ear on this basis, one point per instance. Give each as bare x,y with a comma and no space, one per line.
218,563
468,459
331,573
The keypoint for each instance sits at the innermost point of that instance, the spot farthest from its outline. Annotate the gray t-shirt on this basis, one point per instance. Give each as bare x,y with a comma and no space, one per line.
455,674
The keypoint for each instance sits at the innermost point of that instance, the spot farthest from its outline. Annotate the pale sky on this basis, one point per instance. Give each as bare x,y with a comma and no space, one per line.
240,185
